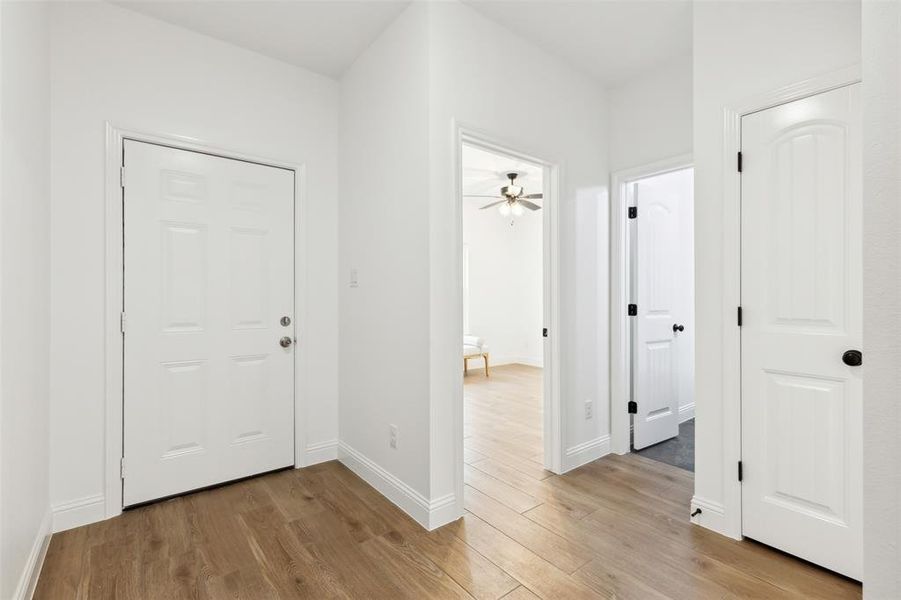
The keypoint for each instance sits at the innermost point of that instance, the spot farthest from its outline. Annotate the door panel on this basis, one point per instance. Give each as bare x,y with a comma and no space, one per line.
249,279
663,284
804,471
184,414
184,248
802,308
208,275
807,228
248,378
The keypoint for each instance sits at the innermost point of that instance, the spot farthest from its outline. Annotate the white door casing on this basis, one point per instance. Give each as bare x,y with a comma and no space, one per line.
663,286
801,298
208,274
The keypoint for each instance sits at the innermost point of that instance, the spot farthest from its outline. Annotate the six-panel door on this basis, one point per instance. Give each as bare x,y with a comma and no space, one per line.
209,390
801,294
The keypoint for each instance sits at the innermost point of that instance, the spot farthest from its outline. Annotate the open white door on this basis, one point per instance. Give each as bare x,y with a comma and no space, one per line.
209,276
801,294
663,289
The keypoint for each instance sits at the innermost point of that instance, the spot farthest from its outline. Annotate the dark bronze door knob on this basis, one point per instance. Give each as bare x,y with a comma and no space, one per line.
852,358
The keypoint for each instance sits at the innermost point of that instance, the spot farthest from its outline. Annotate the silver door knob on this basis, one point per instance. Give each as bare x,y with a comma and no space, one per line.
285,342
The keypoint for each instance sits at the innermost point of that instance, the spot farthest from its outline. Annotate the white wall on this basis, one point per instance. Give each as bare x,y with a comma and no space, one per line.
111,64
742,49
400,327
882,298
506,282
651,116
562,118
383,235
24,292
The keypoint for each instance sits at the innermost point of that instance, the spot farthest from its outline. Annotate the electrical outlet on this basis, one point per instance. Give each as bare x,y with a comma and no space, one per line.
354,282
589,405
392,436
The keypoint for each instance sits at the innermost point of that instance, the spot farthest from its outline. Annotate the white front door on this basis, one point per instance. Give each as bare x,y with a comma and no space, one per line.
801,296
209,254
662,273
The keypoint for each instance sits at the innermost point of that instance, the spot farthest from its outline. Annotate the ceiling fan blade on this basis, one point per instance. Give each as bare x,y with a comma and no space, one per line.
529,205
481,196
533,196
493,204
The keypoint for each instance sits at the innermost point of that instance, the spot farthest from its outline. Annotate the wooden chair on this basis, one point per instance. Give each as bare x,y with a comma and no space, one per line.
474,347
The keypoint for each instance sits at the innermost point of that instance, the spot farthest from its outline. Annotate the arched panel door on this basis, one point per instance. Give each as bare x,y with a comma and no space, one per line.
663,289
801,295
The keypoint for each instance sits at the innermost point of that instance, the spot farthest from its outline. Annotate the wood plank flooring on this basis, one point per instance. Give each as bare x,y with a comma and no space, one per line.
616,528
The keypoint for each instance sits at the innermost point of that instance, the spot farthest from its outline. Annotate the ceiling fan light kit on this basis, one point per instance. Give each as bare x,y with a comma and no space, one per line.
511,200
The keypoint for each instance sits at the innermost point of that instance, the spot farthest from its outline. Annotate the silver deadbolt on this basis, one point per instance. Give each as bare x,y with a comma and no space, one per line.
285,342
285,321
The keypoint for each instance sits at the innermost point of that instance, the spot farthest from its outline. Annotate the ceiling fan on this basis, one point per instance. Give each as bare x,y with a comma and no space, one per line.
512,200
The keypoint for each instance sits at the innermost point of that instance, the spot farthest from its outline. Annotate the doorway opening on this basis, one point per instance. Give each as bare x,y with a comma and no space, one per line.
504,308
653,407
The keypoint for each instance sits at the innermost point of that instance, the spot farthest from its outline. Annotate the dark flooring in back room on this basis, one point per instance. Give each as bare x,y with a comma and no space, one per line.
678,451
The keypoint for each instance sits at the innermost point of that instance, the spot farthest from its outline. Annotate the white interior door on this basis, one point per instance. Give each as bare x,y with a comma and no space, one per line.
209,389
801,294
662,275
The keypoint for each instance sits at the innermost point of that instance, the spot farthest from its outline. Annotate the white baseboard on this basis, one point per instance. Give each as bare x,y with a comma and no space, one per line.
442,511
29,578
586,452
76,513
499,361
429,514
712,516
320,452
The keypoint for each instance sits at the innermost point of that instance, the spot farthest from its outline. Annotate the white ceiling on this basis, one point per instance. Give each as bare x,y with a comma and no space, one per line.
611,40
485,172
324,36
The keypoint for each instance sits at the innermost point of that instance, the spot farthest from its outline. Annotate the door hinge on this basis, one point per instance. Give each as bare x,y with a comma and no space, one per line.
633,212
739,471
739,162
544,332
122,468
123,321
738,316
633,407
633,310
122,177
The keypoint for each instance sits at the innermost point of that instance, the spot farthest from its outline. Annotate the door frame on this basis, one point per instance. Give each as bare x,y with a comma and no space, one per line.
620,292
552,436
114,347
725,517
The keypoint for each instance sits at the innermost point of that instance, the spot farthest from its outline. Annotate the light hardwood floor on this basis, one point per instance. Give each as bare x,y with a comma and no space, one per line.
616,528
